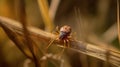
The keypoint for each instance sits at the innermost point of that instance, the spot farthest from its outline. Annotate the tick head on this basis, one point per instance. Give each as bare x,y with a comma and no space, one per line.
66,29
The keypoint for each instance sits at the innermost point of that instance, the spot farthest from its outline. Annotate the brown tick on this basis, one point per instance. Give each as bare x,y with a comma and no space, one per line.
65,32
64,35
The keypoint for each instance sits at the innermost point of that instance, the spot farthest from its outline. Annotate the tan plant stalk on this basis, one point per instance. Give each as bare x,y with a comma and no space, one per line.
53,8
118,22
22,18
43,6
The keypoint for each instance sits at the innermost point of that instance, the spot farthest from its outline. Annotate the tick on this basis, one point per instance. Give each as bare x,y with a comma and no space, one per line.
64,35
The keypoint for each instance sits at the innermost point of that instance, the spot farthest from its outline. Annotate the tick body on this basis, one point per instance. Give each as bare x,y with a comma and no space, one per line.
64,32
63,35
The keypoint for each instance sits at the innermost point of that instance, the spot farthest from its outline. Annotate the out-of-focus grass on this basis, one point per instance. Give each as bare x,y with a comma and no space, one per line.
118,19
44,10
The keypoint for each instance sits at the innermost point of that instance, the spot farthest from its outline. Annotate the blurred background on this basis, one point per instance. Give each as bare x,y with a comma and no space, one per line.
92,21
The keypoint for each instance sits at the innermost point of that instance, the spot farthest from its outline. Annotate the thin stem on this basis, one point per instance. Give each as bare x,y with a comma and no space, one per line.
53,8
22,18
118,22
43,6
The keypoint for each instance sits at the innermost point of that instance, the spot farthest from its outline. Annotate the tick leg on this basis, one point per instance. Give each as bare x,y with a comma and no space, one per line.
68,43
51,41
57,30
64,46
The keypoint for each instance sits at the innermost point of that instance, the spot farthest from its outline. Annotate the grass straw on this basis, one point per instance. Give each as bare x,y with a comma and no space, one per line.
118,22
22,19
53,8
44,10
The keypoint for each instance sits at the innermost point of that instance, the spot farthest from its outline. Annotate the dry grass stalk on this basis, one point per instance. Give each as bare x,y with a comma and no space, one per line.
21,13
43,6
53,8
82,47
118,22
110,34
17,40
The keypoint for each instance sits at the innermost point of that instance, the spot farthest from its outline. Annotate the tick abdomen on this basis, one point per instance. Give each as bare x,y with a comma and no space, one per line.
63,35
